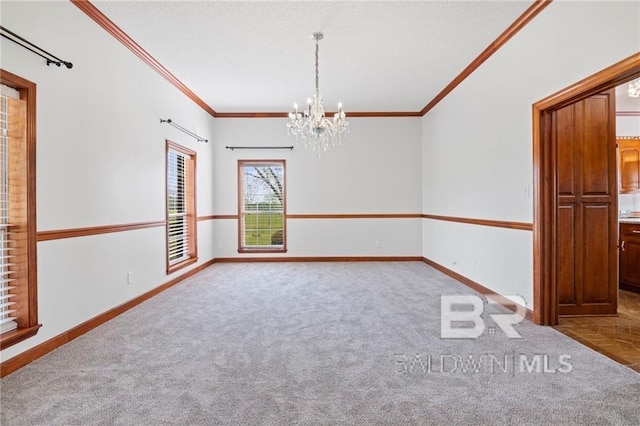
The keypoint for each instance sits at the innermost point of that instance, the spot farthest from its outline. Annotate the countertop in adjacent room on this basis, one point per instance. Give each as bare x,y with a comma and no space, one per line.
632,220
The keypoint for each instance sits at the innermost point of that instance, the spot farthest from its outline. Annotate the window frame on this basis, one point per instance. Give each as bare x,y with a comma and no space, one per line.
27,306
261,249
190,207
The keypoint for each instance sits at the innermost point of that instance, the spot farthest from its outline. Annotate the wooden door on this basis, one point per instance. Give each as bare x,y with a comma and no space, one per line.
586,216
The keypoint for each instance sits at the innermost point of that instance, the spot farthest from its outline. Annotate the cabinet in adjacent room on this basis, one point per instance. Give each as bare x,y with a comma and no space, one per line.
628,165
630,256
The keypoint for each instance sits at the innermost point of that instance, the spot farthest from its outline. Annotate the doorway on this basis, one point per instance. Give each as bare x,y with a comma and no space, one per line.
546,207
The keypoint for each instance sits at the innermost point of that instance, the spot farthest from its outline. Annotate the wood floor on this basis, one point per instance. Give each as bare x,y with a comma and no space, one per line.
616,337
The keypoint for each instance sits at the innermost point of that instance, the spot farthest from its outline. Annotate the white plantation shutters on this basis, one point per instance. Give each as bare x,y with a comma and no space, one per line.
178,233
12,132
180,205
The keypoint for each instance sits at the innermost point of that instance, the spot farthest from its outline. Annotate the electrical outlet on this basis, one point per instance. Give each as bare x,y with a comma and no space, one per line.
378,244
219,244
130,277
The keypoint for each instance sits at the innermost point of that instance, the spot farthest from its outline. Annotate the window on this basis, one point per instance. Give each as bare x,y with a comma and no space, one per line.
18,281
181,207
262,206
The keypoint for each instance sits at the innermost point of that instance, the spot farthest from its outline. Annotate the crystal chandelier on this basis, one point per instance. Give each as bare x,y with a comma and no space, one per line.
634,89
311,126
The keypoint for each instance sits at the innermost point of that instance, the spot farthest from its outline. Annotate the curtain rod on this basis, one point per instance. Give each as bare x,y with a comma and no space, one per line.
188,132
259,147
46,55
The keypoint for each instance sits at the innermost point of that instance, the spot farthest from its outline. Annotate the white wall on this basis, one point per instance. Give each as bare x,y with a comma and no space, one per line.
628,125
375,170
629,202
477,142
100,161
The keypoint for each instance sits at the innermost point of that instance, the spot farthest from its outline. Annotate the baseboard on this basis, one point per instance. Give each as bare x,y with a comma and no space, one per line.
44,348
319,259
475,286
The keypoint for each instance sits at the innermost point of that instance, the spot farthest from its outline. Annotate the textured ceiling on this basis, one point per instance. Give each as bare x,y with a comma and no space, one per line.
241,56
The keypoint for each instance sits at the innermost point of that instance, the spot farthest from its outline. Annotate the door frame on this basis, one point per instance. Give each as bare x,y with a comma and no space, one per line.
545,289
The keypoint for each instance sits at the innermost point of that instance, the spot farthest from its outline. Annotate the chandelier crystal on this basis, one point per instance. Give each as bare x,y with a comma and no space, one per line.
310,125
634,89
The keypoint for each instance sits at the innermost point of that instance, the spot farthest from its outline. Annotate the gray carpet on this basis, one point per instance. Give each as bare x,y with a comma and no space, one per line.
313,343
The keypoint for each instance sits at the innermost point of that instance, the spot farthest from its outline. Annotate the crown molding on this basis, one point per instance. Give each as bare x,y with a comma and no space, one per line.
94,13
531,12
368,114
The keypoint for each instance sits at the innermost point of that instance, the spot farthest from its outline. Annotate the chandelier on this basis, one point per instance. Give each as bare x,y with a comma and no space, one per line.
634,89
311,126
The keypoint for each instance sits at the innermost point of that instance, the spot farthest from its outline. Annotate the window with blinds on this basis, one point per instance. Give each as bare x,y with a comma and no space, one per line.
181,225
18,253
7,262
262,206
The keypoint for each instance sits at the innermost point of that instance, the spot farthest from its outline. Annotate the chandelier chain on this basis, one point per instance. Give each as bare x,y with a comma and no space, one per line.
317,72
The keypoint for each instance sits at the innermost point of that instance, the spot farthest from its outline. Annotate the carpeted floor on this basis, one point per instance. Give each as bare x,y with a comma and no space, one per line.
315,343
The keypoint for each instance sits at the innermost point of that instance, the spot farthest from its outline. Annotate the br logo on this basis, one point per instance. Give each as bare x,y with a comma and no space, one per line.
461,316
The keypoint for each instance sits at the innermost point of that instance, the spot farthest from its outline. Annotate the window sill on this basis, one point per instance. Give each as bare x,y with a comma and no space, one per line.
10,338
262,250
173,268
